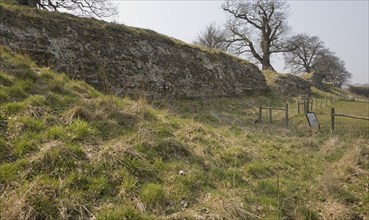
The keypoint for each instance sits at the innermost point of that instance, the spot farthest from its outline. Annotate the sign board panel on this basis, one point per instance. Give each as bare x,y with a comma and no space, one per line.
312,119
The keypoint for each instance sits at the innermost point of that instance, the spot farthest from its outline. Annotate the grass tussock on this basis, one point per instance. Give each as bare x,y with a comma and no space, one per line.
68,151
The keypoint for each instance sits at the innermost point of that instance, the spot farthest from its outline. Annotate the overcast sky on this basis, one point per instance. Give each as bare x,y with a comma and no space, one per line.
341,25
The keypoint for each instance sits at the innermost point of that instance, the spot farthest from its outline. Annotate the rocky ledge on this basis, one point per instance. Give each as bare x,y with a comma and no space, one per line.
125,60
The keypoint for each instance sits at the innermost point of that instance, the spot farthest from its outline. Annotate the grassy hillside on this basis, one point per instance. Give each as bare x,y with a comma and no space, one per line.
68,151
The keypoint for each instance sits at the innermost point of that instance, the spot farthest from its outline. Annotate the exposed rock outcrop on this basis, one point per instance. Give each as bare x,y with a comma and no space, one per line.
125,60
287,84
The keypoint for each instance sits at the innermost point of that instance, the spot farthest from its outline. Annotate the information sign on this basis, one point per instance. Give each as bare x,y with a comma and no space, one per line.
312,119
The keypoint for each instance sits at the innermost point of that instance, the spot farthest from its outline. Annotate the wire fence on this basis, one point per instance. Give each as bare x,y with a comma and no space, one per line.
355,124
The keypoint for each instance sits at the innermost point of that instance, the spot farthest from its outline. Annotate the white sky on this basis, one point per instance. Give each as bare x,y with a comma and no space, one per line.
341,25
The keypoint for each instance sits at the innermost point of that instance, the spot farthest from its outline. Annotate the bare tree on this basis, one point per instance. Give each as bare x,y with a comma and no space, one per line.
331,67
85,8
257,27
212,37
304,50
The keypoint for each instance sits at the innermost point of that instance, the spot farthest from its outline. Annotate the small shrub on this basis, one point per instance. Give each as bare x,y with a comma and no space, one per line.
99,186
46,73
8,172
20,90
4,151
88,186
60,101
238,158
267,188
197,179
121,212
76,181
259,170
31,124
364,158
58,159
152,194
13,108
163,130
57,132
24,145
128,183
42,199
308,214
6,80
82,89
231,176
347,196
80,130
219,173
22,60
171,149
180,190
139,167
36,100
4,97
310,144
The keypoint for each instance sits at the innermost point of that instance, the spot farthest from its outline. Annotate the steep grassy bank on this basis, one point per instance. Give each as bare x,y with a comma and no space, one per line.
67,151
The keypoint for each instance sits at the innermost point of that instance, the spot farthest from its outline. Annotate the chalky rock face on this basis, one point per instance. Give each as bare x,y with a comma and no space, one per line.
126,60
291,85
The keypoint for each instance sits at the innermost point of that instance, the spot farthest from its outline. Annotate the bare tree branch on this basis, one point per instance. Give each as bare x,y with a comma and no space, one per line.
212,37
261,24
303,52
85,8
331,67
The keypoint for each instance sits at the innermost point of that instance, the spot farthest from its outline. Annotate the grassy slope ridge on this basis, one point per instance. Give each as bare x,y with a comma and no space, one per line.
68,151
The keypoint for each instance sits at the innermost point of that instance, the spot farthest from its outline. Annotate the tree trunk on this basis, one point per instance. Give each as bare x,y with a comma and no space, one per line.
23,2
265,42
30,3
266,65
317,81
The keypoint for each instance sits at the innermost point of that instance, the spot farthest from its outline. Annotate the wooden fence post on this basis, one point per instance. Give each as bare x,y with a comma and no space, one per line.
332,120
298,107
311,106
286,115
316,103
270,115
260,112
305,106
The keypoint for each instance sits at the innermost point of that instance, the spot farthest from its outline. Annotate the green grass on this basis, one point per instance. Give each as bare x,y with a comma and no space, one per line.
66,150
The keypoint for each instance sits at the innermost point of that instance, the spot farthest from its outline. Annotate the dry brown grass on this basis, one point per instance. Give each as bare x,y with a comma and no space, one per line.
333,178
330,146
112,155
14,206
333,210
333,183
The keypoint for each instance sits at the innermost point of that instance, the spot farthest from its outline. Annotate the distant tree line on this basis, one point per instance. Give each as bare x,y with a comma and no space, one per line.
259,29
360,90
